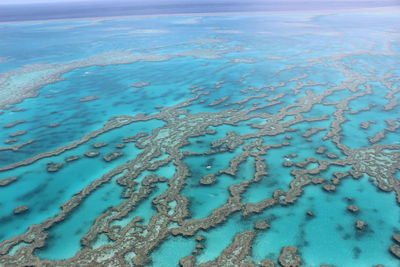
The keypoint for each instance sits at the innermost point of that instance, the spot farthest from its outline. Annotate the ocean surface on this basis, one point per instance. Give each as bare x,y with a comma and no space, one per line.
221,140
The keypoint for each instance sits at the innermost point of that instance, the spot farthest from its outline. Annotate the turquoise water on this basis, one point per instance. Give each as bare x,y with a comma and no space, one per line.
338,240
64,244
279,75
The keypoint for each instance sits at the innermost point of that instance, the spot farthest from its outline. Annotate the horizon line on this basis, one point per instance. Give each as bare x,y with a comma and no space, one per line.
386,9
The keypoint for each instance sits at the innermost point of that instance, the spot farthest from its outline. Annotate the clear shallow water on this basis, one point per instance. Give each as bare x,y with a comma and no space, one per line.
269,79
332,225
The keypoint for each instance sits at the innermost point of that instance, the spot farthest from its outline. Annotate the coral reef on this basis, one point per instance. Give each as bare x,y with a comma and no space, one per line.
289,257
20,209
7,181
113,155
89,98
237,122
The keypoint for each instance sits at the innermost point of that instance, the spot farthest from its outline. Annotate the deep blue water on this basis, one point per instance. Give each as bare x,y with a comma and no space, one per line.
124,8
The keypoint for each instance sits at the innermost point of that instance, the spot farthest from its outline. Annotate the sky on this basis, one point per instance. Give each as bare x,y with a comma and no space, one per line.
4,2
7,2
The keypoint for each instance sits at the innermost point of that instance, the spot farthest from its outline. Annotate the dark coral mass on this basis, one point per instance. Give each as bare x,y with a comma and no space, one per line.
263,139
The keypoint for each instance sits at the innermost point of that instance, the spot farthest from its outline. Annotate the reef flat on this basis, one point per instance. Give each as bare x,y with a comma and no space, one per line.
218,140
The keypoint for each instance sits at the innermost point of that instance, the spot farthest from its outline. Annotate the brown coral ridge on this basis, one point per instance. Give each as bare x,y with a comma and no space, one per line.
208,179
267,263
393,101
19,133
10,141
16,147
53,125
310,213
353,208
18,109
289,257
261,225
391,126
380,162
113,156
54,167
360,224
321,150
120,146
15,123
366,124
141,84
188,261
396,237
133,139
329,187
395,250
7,181
236,253
89,98
363,109
20,209
218,101
113,123
35,235
72,158
312,131
99,145
92,153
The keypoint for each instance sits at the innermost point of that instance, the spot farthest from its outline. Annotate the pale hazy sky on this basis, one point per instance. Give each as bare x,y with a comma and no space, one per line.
169,1
67,1
7,2
384,2
41,1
